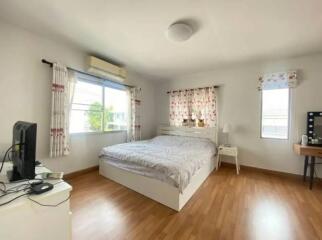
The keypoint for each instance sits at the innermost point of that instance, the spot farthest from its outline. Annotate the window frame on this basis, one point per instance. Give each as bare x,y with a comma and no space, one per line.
95,81
288,118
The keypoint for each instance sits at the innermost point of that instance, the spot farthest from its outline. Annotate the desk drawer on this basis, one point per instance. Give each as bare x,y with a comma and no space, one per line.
227,151
316,152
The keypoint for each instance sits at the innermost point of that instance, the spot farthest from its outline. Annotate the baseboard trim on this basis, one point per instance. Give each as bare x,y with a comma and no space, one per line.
263,170
232,165
80,172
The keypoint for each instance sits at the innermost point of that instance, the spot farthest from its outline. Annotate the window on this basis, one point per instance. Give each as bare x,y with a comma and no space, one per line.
275,113
98,106
116,109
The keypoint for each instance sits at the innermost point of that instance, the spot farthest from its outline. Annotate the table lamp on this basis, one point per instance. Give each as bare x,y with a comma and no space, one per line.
226,129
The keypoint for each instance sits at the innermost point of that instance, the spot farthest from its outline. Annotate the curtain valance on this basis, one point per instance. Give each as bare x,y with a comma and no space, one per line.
277,80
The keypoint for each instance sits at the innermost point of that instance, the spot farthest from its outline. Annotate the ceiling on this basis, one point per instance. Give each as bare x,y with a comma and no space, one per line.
133,32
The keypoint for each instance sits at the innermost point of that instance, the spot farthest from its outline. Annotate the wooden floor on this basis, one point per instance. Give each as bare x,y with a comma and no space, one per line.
253,205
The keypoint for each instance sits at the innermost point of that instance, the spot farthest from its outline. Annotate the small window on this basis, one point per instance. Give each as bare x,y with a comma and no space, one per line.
97,108
275,113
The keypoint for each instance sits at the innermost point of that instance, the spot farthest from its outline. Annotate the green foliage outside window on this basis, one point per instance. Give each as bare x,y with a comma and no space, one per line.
95,116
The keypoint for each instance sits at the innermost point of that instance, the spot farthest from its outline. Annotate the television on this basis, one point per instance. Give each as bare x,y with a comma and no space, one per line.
23,151
314,128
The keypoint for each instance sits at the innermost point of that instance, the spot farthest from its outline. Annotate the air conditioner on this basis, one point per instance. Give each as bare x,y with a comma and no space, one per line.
105,69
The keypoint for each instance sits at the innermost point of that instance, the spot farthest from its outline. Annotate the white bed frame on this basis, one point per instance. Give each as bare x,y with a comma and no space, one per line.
155,189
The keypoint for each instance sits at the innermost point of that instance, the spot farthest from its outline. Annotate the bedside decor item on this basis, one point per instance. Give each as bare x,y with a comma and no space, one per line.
185,122
314,128
226,129
193,123
201,123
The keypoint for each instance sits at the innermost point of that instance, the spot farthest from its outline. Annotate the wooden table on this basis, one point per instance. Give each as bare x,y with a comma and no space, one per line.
309,152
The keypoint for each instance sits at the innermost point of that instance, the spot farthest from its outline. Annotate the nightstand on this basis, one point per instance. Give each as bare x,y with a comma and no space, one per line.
228,151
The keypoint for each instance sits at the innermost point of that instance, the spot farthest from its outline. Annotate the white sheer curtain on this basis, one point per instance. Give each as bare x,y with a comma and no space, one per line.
63,85
134,125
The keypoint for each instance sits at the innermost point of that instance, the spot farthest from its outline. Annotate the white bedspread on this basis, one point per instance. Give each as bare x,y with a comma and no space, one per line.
175,159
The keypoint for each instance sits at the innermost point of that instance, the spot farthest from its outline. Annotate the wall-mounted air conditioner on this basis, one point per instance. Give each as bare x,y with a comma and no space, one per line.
105,69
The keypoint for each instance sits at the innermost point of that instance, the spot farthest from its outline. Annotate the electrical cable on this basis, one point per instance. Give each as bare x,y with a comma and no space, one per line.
11,200
6,191
16,189
5,155
18,186
9,157
49,205
4,187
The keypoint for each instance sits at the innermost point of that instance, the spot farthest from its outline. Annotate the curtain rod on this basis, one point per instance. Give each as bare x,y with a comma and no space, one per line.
92,75
191,89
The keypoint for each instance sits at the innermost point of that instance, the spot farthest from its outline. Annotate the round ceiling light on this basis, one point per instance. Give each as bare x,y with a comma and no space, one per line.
179,32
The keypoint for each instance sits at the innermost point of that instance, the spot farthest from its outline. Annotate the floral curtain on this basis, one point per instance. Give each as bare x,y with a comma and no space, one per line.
190,104
179,107
277,80
63,85
134,129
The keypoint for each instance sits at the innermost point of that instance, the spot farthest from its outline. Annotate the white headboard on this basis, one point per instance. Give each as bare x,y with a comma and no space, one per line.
210,133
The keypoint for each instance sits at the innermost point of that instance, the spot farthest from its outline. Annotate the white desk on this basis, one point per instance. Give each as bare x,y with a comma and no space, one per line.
24,219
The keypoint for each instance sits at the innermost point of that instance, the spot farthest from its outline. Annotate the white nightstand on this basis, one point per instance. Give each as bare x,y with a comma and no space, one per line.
228,151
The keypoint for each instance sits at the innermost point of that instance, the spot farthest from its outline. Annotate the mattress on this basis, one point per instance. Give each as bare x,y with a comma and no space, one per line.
170,159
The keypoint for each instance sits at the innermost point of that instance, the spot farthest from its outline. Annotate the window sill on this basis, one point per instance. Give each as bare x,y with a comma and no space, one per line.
274,138
96,133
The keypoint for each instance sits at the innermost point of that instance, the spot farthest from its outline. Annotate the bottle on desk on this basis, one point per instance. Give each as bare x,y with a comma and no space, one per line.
304,141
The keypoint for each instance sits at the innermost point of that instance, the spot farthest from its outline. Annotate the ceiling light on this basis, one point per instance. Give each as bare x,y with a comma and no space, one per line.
179,32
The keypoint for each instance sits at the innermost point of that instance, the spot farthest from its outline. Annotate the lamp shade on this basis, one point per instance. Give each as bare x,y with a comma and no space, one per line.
226,128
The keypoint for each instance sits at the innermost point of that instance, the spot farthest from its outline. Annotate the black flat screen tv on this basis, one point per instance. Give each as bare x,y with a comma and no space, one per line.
23,151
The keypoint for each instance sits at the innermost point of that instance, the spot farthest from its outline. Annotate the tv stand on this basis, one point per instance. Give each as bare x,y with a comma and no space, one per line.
24,219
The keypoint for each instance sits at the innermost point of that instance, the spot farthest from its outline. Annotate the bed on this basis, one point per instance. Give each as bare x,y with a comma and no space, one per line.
168,168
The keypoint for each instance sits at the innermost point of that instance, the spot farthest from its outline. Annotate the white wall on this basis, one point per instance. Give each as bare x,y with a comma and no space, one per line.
26,95
239,104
